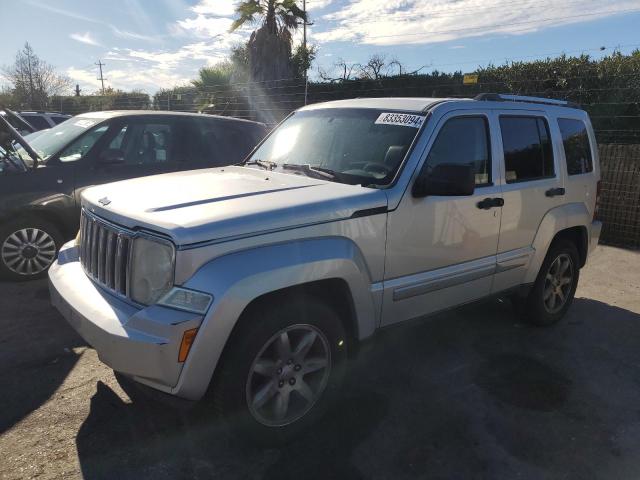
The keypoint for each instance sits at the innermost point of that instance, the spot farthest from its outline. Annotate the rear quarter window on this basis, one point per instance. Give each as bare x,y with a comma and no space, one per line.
577,149
58,120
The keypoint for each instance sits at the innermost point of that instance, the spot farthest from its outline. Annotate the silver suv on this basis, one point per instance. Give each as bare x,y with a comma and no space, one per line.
254,282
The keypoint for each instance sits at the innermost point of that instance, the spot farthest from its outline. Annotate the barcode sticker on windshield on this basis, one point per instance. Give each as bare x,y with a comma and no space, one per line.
403,119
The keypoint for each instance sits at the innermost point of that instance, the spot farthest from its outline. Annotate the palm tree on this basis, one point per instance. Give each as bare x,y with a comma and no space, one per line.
270,45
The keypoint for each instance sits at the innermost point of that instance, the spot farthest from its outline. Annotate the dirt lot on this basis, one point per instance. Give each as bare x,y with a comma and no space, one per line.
469,394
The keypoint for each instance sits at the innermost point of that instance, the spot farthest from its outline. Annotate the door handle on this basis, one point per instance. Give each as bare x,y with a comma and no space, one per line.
552,192
488,203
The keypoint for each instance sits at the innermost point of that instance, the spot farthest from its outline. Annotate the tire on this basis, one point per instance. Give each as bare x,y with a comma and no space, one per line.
249,391
28,247
555,285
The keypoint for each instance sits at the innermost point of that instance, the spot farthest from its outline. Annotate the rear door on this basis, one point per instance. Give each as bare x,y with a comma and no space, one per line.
531,186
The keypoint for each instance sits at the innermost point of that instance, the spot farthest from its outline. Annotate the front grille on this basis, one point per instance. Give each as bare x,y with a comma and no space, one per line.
104,252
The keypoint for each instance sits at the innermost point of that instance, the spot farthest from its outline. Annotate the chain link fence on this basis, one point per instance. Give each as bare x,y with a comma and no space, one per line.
620,195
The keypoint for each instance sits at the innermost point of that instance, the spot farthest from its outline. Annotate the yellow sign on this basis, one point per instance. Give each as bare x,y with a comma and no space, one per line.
470,79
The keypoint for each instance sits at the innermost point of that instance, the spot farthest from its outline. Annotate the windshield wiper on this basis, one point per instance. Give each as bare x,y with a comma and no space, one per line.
315,172
266,164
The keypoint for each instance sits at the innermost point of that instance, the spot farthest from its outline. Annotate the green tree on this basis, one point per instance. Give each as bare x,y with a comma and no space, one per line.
269,47
302,59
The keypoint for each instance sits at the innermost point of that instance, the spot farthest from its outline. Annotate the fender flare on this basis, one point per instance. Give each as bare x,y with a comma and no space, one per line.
555,220
236,279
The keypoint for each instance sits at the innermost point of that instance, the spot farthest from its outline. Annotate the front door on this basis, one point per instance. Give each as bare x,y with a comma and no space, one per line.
441,250
133,147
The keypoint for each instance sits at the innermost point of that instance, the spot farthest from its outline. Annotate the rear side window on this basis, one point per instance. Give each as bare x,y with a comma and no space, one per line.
223,142
465,141
577,149
527,148
37,122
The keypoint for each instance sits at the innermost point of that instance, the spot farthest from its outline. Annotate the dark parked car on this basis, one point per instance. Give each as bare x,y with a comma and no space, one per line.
40,199
44,120
17,122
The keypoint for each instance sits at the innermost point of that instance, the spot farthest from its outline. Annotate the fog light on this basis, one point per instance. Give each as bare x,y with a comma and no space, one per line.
187,340
187,300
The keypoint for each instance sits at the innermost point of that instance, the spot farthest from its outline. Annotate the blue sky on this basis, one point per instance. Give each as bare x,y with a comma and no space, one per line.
149,44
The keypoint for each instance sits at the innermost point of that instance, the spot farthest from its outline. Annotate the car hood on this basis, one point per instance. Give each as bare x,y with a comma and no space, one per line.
225,203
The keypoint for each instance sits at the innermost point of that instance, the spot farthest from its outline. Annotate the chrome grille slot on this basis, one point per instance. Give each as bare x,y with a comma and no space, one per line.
104,252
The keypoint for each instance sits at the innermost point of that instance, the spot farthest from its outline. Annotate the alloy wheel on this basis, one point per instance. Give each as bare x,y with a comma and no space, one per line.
558,283
28,251
288,375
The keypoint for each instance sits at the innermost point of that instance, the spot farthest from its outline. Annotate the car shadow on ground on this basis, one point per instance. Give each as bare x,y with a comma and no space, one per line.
470,393
36,349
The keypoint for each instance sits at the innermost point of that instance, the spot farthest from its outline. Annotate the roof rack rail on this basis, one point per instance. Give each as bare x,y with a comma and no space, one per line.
501,97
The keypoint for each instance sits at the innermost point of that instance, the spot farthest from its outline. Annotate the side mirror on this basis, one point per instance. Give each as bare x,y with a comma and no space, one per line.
446,179
111,156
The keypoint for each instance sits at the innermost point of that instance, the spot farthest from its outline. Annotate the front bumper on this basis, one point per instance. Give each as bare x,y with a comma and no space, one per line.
140,343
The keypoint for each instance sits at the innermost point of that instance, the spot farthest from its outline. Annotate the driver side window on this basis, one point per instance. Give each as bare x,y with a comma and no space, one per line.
464,141
82,145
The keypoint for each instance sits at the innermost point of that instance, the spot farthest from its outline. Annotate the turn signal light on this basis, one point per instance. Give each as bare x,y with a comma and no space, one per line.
187,340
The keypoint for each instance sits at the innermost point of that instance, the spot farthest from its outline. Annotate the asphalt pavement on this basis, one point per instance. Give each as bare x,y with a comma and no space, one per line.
468,394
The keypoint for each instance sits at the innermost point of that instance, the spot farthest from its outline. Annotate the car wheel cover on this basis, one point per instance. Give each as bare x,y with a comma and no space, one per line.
28,251
558,283
288,375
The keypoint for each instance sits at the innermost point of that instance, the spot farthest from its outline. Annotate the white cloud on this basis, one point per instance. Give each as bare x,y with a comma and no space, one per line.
85,38
399,22
132,35
318,4
219,8
206,27
151,70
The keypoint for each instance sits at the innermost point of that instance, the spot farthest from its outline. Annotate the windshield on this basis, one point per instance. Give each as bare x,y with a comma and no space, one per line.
47,143
10,162
357,146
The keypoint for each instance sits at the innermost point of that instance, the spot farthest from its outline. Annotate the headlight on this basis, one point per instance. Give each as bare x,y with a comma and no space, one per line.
152,268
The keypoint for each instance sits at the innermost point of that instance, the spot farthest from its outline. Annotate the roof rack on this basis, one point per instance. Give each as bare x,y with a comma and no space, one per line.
500,97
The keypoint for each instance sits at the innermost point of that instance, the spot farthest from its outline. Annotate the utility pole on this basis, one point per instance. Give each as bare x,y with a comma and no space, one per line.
100,65
78,90
306,53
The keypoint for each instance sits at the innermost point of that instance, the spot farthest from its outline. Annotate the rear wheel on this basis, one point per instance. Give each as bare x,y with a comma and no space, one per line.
555,286
282,369
28,248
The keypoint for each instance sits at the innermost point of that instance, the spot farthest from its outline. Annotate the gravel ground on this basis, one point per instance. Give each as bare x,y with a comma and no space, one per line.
471,393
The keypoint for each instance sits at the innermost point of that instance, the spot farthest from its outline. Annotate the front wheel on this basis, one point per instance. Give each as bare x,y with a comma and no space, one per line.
555,286
28,247
282,369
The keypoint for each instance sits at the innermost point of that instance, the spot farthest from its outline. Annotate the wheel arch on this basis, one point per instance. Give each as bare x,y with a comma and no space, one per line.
53,216
570,221
332,269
